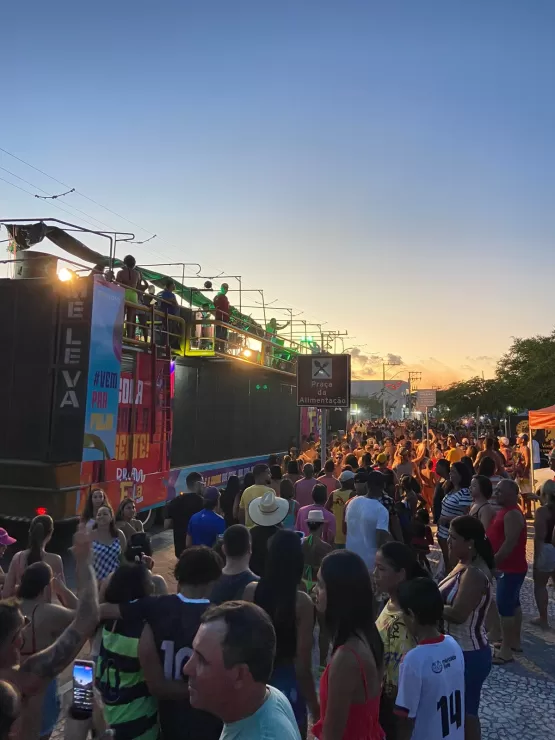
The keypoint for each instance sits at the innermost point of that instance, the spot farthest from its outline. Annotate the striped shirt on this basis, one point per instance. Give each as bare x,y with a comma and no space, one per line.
471,634
454,504
129,708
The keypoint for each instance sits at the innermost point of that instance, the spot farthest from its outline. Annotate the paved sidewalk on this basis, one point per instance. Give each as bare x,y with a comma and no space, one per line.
518,700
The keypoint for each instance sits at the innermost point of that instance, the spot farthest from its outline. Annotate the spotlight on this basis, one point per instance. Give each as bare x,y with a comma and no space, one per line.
247,353
208,285
65,275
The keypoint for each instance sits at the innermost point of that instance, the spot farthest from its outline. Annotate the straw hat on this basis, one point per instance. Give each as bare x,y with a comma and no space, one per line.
268,510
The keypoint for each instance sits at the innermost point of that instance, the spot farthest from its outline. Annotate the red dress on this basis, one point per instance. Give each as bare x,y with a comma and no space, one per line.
363,721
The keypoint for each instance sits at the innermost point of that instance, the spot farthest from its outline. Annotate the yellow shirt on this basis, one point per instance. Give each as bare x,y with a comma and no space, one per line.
339,500
397,641
453,455
249,494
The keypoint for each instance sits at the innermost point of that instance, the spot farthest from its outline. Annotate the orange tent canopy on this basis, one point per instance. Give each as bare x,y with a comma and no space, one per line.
542,418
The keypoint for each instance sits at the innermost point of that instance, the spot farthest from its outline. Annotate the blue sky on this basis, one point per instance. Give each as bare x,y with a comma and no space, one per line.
387,167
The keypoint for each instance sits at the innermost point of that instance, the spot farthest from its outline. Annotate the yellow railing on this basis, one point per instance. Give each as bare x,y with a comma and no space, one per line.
149,325
210,338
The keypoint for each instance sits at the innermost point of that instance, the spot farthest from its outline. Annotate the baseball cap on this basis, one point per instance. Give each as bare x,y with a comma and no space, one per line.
504,441
382,458
211,493
346,475
361,476
5,538
316,515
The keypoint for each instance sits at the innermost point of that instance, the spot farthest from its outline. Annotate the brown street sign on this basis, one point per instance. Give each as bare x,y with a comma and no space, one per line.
324,381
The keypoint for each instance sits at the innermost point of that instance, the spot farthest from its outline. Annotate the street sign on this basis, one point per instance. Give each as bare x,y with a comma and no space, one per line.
425,399
324,381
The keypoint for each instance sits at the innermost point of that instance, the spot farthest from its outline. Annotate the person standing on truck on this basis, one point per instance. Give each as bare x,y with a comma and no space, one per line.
130,278
221,304
180,510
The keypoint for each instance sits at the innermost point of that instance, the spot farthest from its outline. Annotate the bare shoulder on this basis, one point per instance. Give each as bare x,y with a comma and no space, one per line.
344,663
304,602
248,593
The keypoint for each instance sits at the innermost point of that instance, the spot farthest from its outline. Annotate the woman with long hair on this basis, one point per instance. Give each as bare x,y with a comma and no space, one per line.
45,623
126,520
351,685
276,476
130,710
544,550
95,500
228,497
481,490
292,614
40,534
108,544
287,492
466,593
455,503
395,564
293,472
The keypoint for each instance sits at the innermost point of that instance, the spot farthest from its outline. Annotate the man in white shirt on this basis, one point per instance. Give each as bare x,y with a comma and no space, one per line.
430,699
366,522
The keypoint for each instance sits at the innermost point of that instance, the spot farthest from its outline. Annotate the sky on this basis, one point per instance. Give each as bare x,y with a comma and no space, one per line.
385,167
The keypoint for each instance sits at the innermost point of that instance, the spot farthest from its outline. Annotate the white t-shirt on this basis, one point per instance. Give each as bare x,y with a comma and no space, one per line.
364,516
431,689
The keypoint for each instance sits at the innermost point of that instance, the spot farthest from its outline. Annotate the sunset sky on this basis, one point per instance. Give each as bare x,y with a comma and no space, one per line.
385,167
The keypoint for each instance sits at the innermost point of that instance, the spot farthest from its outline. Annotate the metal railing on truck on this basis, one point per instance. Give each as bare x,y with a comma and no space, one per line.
211,338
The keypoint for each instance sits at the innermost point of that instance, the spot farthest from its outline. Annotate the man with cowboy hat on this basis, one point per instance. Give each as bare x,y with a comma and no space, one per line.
267,512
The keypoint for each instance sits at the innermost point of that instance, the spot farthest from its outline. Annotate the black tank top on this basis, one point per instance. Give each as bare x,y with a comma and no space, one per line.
174,621
284,621
550,526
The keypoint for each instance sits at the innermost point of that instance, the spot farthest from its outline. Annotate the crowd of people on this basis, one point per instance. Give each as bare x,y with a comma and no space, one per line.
296,560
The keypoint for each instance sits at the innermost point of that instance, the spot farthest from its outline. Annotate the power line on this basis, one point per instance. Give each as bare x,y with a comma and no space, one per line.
54,204
24,190
77,192
100,205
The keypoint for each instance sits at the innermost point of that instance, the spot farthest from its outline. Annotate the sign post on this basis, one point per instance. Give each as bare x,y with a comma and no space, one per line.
426,399
324,381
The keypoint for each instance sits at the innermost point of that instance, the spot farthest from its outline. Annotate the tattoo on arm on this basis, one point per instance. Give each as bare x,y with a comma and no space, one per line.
52,661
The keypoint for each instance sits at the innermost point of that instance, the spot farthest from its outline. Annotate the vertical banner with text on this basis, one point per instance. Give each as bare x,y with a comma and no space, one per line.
101,416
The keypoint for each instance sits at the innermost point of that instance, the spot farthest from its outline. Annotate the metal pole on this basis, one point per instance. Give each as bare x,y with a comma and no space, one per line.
427,429
506,434
531,456
384,412
323,435
477,423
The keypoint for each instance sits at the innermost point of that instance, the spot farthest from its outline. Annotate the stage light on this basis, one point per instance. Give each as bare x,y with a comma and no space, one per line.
247,353
65,275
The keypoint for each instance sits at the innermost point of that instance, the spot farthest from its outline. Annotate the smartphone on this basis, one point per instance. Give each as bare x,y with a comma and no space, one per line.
83,678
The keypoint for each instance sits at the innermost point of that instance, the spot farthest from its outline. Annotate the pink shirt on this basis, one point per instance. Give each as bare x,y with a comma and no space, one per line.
303,491
328,530
331,483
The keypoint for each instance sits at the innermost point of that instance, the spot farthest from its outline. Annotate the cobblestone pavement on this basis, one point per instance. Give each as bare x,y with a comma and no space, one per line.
518,700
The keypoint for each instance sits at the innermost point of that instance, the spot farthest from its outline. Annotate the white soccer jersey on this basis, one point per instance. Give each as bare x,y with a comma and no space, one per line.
431,689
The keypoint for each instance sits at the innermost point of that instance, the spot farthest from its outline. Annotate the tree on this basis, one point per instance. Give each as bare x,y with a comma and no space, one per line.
524,378
466,396
527,372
